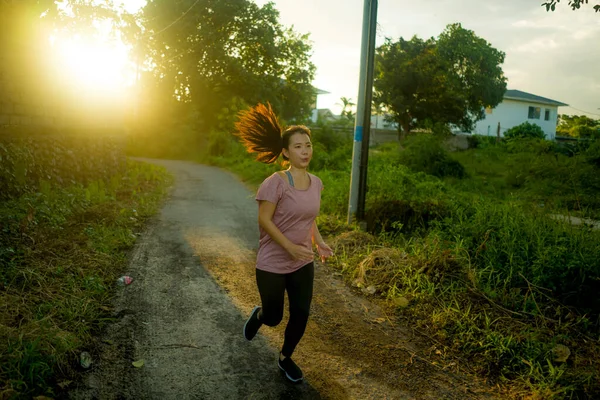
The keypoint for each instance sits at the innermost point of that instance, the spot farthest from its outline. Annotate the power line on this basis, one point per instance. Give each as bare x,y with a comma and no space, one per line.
172,23
583,111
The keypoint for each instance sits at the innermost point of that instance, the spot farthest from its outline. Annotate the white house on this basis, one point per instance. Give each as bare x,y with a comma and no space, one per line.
518,107
314,107
378,122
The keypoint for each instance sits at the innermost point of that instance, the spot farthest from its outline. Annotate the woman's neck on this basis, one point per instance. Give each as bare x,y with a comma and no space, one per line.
298,171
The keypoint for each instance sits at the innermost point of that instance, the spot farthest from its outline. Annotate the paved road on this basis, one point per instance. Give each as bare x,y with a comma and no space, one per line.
193,270
176,318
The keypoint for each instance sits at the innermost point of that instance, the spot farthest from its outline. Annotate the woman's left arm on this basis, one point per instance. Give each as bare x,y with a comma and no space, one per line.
322,247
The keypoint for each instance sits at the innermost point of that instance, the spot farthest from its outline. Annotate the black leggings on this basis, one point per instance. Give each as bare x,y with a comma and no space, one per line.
299,286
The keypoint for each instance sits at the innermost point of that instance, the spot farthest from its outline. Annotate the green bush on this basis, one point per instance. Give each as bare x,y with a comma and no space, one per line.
60,159
530,145
401,200
571,149
592,153
481,141
425,153
473,141
510,246
584,131
61,250
525,130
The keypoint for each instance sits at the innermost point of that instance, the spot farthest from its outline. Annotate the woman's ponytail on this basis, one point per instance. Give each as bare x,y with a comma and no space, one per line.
260,132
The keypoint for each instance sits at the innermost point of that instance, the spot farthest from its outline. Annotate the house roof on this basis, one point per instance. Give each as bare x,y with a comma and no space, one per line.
326,112
316,90
524,96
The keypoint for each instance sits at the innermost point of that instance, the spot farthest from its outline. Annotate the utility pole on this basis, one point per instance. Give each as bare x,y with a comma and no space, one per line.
362,122
364,161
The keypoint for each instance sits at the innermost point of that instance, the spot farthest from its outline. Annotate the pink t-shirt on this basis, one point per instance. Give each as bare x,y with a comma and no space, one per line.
294,215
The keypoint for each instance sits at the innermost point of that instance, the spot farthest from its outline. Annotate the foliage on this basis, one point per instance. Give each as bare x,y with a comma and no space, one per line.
574,4
347,105
28,160
425,153
476,262
525,131
332,149
490,277
592,154
61,250
208,52
579,126
449,80
481,141
402,201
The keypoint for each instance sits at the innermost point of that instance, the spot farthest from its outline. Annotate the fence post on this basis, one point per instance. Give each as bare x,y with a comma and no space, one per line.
498,133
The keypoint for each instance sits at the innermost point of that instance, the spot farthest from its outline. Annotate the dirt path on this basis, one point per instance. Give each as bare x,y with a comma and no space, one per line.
193,271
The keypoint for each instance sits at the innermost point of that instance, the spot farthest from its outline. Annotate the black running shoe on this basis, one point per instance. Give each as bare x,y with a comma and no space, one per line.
252,325
292,371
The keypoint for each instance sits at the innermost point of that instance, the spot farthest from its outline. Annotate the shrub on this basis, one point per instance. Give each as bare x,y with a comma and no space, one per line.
473,141
62,159
481,141
512,246
425,153
525,130
530,145
401,200
584,131
572,149
592,154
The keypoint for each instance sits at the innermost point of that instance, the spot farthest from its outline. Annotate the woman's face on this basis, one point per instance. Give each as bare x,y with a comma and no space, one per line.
299,151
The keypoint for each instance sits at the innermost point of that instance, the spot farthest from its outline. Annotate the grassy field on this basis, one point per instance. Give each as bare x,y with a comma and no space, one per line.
462,243
62,250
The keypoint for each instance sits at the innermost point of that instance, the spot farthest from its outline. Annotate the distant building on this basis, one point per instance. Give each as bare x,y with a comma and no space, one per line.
378,121
315,111
518,107
325,114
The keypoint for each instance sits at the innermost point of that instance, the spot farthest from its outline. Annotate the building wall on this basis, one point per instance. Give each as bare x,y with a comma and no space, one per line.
511,113
379,122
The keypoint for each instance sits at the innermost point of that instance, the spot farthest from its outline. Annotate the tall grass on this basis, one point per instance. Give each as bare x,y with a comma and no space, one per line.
61,251
474,258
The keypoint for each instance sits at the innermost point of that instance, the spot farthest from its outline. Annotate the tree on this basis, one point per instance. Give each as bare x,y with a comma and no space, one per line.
449,80
211,51
578,126
347,105
575,5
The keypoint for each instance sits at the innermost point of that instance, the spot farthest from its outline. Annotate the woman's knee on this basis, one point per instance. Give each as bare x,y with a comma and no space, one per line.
300,313
271,318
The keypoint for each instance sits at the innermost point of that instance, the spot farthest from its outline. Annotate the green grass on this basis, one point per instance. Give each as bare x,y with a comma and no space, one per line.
463,244
531,173
484,270
62,251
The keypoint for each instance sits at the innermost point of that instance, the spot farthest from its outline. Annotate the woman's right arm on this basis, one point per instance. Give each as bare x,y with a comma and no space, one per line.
266,210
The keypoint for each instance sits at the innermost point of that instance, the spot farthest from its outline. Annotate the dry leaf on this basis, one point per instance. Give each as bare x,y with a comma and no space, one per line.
138,363
64,384
8,394
561,353
401,302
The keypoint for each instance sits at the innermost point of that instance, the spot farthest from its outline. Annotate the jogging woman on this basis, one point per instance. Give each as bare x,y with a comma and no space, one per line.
288,203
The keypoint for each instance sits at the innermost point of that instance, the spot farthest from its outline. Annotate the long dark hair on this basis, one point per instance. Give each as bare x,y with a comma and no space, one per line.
260,132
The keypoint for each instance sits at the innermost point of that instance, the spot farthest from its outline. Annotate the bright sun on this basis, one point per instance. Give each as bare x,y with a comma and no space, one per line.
92,66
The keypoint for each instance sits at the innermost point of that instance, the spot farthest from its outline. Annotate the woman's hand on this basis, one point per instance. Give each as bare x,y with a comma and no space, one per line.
300,252
324,251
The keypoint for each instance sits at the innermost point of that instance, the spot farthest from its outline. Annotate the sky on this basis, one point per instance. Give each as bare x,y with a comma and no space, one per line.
550,54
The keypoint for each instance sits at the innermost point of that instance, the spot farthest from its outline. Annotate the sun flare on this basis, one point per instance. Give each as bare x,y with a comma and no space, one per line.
93,66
